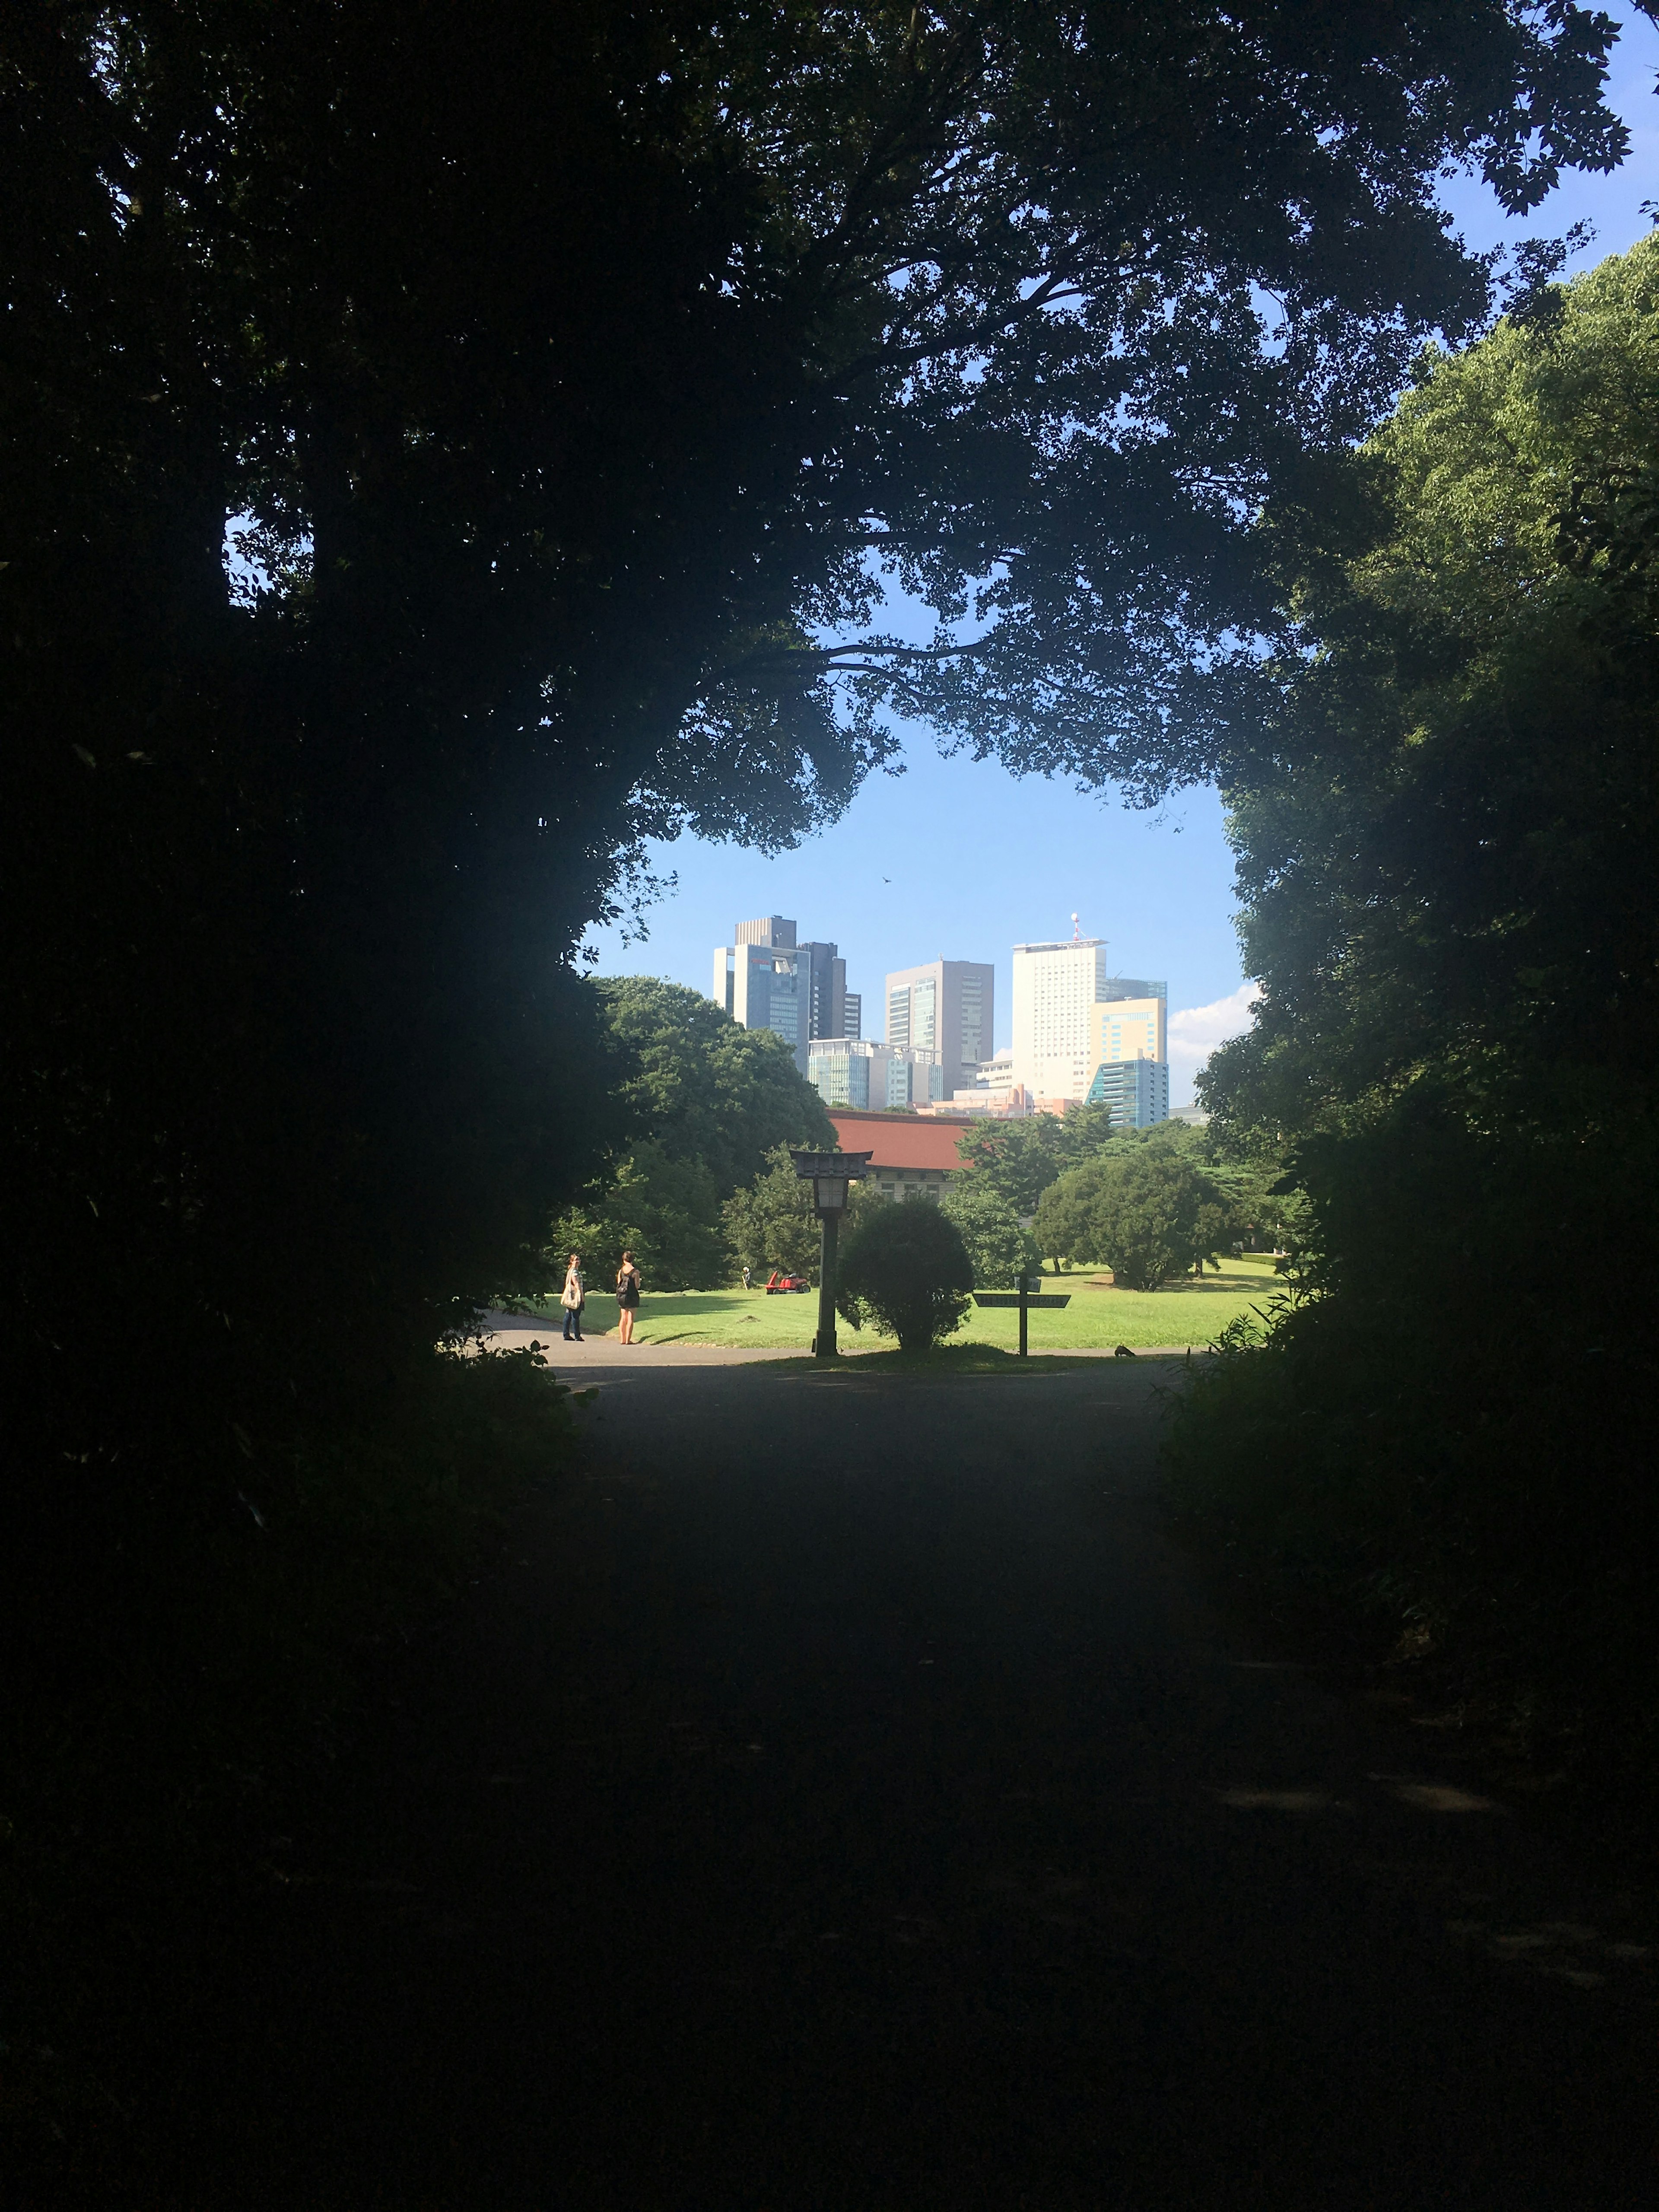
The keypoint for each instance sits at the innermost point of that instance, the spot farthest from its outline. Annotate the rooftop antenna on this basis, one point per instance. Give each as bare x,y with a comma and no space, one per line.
1074,929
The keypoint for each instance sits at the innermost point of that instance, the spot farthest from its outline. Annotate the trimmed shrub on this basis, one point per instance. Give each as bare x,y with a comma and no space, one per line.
905,1267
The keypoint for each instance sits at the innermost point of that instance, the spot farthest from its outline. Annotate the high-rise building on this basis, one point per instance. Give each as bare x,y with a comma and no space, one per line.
851,1018
767,981
1137,1092
1132,1023
1056,988
947,1007
847,1072
1071,1017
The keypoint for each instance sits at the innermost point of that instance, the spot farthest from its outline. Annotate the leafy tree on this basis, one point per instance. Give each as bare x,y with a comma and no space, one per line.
1148,1213
1445,816
905,1267
712,1102
1454,874
1018,1160
708,1090
772,1223
663,1210
998,1249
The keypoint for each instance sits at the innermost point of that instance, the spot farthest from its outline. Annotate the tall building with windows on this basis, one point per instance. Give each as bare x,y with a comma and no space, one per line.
1132,1023
1056,989
847,1072
1072,1016
768,980
1137,1092
947,1007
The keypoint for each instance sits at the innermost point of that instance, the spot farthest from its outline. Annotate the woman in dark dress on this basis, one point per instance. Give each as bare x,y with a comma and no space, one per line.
627,1298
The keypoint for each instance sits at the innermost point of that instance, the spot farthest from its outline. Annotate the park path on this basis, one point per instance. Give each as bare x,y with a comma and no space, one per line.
509,1332
847,1801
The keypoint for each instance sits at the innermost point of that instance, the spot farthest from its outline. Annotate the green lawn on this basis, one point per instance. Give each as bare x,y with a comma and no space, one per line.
1097,1318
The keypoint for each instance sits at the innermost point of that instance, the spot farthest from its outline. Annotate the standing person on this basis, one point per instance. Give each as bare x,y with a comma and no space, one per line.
573,1298
627,1298
745,1278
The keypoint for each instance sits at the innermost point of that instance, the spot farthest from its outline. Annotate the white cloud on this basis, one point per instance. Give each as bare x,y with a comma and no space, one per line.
1196,1031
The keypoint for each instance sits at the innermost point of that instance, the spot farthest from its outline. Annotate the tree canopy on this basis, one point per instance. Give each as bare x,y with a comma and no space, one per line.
1444,825
1445,821
568,379
1142,1210
1000,1251
707,1106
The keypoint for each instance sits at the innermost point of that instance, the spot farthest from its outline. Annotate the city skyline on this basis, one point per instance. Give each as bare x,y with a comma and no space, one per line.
1008,860
1079,1030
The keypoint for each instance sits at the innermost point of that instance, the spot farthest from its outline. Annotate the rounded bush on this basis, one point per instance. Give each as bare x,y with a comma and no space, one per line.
905,1267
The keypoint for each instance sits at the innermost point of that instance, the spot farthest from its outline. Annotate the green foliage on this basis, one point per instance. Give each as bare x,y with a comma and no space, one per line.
998,1249
904,1266
1445,829
772,1223
712,1102
1018,1160
1140,1209
707,1090
663,1209
1445,826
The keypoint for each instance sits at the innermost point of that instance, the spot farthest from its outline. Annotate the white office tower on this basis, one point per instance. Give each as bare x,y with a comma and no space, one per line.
947,1007
1056,990
1071,1018
766,980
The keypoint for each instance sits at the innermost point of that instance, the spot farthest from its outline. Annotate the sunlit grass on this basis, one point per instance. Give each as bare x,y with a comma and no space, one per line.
1097,1318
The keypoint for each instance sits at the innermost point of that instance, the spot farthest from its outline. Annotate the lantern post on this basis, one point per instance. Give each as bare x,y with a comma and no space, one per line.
831,1175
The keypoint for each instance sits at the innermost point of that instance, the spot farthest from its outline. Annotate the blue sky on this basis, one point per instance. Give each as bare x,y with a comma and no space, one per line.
958,859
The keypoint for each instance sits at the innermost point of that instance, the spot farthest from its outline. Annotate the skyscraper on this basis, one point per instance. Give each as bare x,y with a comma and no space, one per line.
1136,1090
1071,1017
947,1006
766,980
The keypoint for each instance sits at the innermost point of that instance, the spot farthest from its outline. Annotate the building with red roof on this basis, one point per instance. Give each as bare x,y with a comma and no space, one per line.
911,1156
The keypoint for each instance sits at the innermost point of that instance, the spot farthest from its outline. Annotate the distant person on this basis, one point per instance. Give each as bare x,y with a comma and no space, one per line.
627,1298
745,1278
573,1298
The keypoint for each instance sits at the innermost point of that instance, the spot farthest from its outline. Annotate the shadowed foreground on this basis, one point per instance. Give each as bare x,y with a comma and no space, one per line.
849,1803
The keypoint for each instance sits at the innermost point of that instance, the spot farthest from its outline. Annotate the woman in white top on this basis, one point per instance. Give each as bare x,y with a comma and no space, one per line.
573,1298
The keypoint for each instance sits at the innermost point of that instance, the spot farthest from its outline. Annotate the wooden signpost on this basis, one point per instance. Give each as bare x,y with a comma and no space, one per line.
1025,1298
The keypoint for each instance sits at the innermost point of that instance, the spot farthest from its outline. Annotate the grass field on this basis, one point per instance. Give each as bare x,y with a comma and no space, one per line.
1097,1318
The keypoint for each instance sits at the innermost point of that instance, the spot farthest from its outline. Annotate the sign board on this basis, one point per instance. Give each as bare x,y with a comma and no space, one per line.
1013,1299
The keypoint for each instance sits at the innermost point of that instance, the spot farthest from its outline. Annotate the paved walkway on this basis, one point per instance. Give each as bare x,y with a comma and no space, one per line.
842,1800
513,1333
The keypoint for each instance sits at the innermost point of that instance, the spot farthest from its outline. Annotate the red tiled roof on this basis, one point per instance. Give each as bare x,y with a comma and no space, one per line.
899,1141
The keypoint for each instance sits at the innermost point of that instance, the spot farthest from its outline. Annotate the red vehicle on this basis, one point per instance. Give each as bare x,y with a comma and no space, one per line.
776,1282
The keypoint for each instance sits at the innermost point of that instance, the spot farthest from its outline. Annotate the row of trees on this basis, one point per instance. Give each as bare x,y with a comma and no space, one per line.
1149,1204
